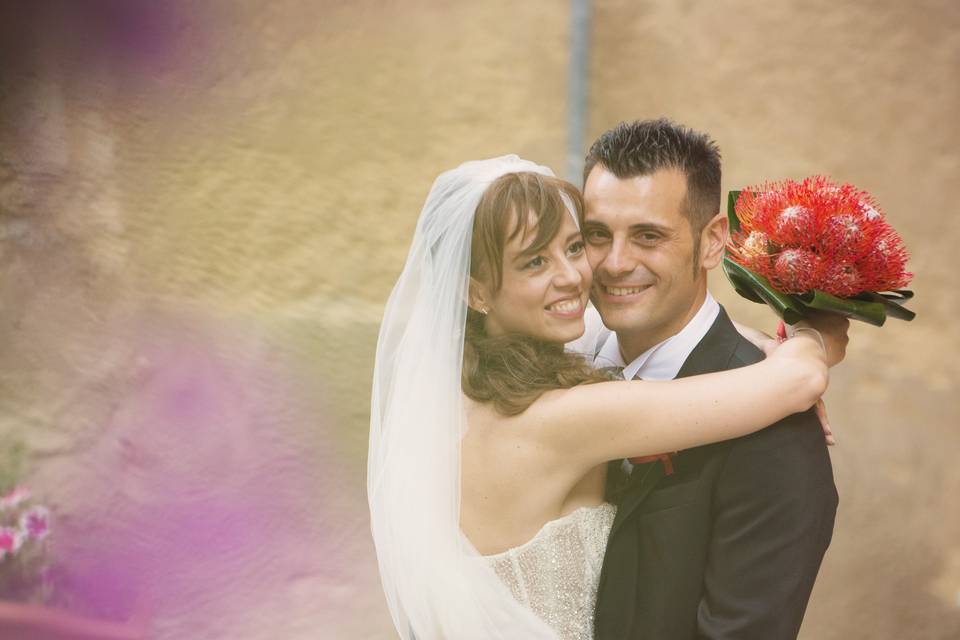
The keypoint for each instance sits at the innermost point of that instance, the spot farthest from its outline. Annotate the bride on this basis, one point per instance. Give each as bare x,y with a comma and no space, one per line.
488,441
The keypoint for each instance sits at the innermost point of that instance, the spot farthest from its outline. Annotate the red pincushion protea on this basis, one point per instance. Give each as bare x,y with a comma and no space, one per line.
796,270
816,234
841,279
752,249
783,211
884,266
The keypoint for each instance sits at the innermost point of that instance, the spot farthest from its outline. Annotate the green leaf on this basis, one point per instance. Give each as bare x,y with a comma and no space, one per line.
732,211
897,295
868,311
741,285
891,303
755,287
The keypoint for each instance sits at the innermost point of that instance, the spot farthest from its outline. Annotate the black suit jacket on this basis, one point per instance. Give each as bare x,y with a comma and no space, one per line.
729,545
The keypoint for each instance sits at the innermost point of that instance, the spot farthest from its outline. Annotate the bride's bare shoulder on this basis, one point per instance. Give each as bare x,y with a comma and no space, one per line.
484,420
489,429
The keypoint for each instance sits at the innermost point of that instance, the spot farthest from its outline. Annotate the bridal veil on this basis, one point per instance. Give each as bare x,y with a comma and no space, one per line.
436,584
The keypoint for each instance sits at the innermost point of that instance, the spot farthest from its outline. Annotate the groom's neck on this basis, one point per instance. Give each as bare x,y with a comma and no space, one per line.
634,343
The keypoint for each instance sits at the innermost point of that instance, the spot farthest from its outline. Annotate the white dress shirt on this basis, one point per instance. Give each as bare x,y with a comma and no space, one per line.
661,361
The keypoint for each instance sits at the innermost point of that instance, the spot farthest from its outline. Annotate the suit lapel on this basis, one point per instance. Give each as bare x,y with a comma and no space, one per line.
712,353
642,482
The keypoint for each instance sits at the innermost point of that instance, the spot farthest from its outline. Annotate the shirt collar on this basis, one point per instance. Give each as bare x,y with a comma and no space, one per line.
664,360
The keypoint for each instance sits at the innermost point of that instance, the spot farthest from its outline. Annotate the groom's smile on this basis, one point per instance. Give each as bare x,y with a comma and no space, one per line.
621,293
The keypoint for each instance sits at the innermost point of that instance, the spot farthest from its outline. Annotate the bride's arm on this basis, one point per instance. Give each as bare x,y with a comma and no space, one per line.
590,424
831,324
760,340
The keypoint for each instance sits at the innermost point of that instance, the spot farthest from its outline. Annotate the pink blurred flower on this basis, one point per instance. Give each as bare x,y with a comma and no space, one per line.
10,541
35,523
13,499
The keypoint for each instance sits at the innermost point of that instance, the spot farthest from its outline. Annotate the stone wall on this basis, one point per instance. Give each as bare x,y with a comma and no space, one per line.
252,203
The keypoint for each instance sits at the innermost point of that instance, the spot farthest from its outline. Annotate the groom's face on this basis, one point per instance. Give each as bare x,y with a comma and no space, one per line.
641,248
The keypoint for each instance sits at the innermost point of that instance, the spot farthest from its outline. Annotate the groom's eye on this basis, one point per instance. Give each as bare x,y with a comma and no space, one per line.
648,237
595,235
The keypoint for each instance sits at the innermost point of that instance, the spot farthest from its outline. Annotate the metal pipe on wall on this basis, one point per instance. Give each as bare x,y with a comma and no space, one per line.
577,86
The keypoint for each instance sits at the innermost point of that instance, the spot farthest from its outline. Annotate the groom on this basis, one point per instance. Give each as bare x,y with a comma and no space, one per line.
719,541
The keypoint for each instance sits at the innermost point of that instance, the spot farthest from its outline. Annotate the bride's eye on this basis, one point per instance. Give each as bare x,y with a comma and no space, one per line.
533,264
576,248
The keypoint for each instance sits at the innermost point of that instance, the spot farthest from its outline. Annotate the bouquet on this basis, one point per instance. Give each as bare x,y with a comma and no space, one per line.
816,245
24,527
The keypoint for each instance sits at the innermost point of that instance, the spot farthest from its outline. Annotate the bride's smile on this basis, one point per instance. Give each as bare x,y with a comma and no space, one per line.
545,284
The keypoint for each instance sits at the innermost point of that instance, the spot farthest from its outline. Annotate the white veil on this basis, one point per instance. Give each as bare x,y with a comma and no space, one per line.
436,584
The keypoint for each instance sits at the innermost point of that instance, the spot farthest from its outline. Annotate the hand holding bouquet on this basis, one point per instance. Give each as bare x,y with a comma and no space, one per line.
816,245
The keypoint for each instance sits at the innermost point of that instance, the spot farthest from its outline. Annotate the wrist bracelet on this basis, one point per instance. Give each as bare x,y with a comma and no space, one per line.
823,345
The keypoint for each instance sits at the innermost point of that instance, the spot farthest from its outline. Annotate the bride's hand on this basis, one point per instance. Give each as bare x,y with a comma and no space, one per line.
821,410
833,328
836,330
804,352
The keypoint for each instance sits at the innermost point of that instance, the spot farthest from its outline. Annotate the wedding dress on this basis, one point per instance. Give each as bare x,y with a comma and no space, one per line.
556,573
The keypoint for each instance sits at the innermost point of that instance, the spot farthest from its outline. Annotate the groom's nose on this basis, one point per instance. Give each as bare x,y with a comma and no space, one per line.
618,261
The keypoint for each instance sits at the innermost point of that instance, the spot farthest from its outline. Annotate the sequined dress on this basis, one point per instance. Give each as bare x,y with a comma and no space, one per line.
556,573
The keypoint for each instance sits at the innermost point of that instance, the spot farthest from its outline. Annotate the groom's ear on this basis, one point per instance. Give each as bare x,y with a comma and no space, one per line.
713,241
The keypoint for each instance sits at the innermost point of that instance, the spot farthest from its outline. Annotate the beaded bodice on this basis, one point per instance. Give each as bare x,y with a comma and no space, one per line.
556,572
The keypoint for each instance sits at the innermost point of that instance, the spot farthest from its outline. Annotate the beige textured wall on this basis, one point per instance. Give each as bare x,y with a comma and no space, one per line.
293,185
269,190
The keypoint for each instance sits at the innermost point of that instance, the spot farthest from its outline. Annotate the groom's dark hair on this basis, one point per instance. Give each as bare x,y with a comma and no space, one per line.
643,147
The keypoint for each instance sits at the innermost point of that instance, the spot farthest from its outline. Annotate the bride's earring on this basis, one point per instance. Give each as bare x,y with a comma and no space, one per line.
484,310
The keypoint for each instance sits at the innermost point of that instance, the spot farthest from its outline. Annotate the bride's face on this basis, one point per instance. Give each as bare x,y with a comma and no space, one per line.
543,293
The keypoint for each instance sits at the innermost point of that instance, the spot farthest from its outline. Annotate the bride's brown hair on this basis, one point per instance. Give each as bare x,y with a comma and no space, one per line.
512,371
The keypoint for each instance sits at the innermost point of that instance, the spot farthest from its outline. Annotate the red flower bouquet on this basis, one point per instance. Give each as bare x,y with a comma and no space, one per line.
816,245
